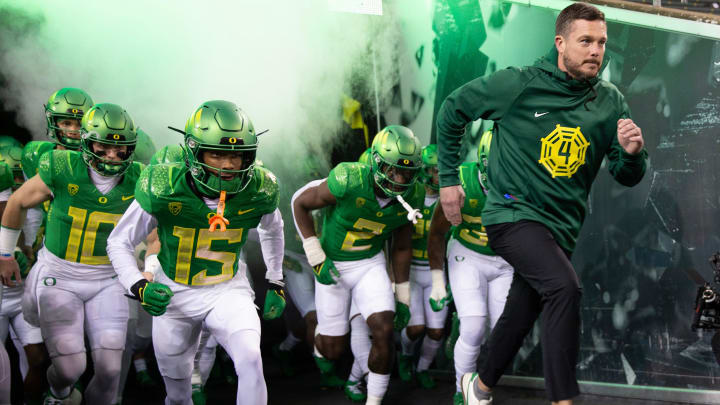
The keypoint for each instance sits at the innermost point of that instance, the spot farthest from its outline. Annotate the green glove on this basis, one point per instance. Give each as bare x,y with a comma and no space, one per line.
22,262
154,297
402,316
274,300
324,272
438,305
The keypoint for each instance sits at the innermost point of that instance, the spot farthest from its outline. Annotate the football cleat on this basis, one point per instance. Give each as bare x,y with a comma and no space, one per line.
354,391
285,359
405,367
425,379
198,395
458,399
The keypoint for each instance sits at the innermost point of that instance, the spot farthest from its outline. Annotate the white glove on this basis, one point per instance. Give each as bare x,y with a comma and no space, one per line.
438,293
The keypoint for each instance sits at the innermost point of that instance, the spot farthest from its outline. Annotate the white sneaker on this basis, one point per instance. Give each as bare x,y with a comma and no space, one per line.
467,383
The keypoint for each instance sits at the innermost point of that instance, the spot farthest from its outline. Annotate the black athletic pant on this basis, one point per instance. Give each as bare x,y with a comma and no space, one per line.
544,284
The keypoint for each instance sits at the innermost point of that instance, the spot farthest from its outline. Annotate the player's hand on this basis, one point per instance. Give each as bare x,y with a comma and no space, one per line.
402,305
402,316
326,272
154,297
23,262
9,271
274,300
629,136
439,295
452,199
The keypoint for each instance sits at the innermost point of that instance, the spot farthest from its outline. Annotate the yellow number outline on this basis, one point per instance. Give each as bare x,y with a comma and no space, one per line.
351,237
472,236
85,235
205,238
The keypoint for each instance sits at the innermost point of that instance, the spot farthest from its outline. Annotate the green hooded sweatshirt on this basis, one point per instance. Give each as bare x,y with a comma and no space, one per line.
550,136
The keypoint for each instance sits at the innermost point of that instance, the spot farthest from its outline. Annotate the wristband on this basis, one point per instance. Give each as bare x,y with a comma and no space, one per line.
402,292
314,251
8,240
152,264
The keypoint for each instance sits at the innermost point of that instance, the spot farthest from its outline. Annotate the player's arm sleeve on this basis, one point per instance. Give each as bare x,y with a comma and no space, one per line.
313,183
486,97
5,194
133,228
272,243
627,169
33,220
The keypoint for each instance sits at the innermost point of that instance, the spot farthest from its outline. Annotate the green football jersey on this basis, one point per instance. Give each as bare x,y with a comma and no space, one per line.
168,154
356,227
420,234
471,232
31,156
189,253
6,177
80,217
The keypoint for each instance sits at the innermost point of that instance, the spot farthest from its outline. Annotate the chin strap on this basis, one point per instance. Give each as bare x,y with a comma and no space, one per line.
413,214
218,218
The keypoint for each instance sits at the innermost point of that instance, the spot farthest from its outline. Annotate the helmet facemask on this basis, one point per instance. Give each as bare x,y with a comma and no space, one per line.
98,160
385,174
212,180
60,135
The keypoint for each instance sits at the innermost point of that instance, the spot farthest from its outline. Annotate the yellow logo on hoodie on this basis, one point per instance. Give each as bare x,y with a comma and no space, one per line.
563,151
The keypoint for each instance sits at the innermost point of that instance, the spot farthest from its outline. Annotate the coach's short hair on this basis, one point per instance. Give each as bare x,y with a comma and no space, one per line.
576,11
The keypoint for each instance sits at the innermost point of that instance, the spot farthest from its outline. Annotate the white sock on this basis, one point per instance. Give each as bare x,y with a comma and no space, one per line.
140,365
372,400
289,342
427,353
465,359
356,372
376,387
408,345
360,343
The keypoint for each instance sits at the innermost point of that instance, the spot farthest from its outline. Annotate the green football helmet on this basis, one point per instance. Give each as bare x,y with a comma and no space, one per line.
483,156
12,156
395,151
365,157
220,126
66,103
430,162
6,141
110,125
145,148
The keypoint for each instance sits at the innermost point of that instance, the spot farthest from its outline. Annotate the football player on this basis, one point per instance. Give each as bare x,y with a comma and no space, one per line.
27,338
220,186
479,279
423,319
63,112
77,291
367,204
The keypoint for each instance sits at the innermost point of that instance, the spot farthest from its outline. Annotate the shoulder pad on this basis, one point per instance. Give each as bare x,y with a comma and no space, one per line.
266,182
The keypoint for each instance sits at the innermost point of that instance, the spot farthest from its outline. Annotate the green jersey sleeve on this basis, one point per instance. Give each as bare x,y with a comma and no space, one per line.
627,169
345,177
31,156
45,168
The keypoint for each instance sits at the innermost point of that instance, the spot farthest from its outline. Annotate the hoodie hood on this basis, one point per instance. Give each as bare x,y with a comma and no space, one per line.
549,63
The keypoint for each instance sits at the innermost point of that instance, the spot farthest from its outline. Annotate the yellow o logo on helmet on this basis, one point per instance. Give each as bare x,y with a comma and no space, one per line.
232,140
75,111
116,137
405,161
